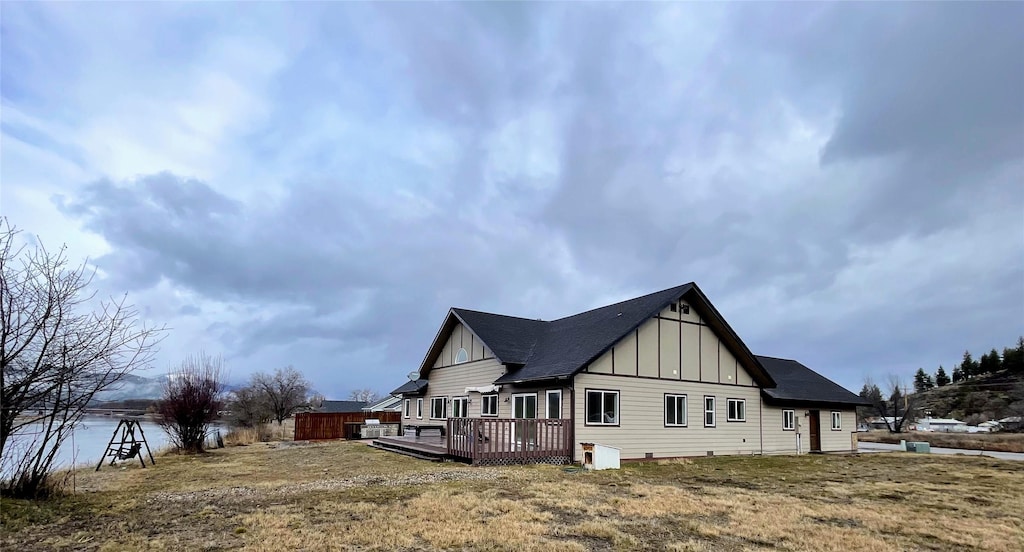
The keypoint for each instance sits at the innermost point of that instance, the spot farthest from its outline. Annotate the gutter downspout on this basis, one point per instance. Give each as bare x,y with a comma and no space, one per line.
572,420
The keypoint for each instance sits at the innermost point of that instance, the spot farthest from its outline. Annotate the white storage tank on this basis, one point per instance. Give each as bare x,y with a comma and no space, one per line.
600,457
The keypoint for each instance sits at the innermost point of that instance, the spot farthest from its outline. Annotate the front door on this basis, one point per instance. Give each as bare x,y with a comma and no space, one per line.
814,424
524,407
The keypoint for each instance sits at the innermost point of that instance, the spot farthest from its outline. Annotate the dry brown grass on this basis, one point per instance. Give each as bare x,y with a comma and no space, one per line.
1002,442
340,495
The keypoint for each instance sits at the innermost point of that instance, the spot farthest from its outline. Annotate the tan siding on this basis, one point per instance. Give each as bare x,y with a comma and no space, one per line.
451,381
668,313
647,362
625,355
776,439
669,349
837,440
603,365
641,416
708,355
691,352
727,364
742,376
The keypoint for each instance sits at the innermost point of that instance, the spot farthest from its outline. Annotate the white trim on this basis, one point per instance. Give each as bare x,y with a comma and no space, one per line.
484,389
675,397
483,402
741,416
405,407
462,351
444,408
791,426
547,403
519,395
837,420
714,415
602,393
419,408
465,406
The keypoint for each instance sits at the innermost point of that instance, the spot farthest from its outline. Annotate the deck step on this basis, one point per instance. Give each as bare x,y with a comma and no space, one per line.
408,452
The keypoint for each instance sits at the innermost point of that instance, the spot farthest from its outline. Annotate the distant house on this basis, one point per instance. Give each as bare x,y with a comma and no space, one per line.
1012,423
882,422
945,425
390,403
984,427
341,407
662,375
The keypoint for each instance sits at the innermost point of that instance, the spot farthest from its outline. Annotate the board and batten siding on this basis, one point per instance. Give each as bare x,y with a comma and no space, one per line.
461,338
673,346
641,430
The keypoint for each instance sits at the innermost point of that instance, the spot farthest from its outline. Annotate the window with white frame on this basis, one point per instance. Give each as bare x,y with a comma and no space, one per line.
489,405
788,420
461,356
675,410
837,420
602,407
437,407
406,405
737,411
419,409
709,411
460,407
554,404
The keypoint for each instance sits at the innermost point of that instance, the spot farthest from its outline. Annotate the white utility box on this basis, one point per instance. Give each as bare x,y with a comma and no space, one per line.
600,457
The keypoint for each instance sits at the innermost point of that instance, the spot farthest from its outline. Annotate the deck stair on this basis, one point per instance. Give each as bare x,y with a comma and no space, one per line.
415,450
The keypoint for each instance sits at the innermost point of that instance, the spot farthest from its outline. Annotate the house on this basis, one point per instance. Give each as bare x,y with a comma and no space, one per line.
391,403
341,407
883,422
1012,423
658,376
944,425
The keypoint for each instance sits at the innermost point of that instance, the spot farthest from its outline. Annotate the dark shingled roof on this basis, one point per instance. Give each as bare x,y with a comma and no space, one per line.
334,407
564,346
510,338
798,384
411,387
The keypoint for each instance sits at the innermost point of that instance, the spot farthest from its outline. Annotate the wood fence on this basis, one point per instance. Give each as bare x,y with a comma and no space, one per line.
510,441
340,425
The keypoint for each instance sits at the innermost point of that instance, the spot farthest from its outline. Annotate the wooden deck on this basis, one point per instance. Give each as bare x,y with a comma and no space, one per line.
490,441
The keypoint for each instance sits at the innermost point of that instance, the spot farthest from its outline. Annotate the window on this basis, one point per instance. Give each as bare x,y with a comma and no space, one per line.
407,401
437,407
524,406
419,409
788,420
460,407
554,404
461,356
602,407
709,411
489,405
675,410
837,420
737,410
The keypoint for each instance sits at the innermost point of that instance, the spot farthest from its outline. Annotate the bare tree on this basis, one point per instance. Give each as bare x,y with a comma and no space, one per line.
191,400
895,407
249,407
368,396
59,346
285,391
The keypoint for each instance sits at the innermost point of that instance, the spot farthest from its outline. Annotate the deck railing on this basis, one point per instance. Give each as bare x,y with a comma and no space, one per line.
510,440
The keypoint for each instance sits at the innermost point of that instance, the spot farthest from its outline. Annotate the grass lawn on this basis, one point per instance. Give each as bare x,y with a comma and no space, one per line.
345,495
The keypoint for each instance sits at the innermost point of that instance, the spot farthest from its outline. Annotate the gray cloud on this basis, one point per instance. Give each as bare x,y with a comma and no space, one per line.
802,165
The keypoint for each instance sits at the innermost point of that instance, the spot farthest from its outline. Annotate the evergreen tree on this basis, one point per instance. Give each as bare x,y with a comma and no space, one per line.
989,363
958,374
941,378
969,366
1013,358
922,381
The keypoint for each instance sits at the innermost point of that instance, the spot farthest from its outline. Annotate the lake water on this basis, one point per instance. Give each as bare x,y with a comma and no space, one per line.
90,439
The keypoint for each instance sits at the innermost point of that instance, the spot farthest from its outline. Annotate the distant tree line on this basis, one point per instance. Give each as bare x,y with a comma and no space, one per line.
1012,361
270,397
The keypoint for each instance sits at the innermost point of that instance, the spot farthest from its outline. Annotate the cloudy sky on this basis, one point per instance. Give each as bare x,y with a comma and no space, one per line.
316,184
